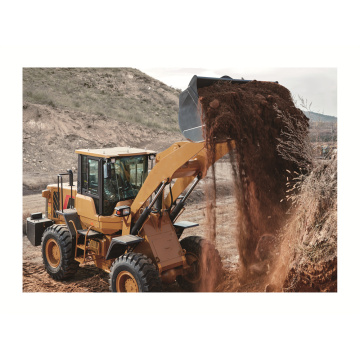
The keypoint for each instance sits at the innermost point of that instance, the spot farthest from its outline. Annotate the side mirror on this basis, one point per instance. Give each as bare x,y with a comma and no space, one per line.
107,170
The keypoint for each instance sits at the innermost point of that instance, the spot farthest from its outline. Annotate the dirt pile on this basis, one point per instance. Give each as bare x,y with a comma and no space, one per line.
308,260
249,115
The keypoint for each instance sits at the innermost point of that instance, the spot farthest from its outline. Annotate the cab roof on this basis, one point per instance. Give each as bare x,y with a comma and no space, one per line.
114,152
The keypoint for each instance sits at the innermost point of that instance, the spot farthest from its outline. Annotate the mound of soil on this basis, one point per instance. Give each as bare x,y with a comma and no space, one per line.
309,247
321,277
248,114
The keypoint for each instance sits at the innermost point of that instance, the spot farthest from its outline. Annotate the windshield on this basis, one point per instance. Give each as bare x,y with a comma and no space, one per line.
126,178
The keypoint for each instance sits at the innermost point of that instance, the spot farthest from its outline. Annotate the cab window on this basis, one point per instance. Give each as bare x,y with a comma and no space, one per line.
93,177
126,178
90,179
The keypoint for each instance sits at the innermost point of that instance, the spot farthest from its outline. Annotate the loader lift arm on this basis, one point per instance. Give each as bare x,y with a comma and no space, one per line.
183,161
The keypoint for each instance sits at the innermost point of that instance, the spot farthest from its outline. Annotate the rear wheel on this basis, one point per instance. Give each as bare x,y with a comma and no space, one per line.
134,272
205,271
58,252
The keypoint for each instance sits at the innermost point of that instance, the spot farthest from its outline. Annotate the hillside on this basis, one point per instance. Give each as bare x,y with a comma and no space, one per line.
317,117
323,128
123,94
67,109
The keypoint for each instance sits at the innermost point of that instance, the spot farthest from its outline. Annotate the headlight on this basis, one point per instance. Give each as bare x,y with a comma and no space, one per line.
122,210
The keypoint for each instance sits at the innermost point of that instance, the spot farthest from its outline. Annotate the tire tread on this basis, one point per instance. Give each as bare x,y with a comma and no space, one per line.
143,266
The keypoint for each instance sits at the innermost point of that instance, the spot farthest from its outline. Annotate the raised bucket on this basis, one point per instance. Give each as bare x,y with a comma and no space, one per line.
189,109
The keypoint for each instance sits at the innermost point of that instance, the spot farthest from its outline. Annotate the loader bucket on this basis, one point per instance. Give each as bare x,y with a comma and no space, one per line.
189,110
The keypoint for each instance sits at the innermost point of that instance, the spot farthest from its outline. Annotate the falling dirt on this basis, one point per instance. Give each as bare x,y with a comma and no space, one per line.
247,114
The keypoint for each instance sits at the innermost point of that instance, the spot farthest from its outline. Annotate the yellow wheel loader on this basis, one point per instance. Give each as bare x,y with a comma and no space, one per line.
122,214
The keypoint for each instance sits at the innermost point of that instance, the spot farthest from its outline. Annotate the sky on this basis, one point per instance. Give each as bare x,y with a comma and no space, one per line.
316,85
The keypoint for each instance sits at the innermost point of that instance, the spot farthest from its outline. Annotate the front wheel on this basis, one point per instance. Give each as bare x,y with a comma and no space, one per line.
205,268
134,272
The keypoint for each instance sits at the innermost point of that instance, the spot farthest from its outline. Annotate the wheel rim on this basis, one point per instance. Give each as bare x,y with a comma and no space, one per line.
125,282
53,254
193,275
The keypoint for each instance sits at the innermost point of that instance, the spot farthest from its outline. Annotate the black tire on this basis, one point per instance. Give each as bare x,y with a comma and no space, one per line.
58,252
138,271
205,261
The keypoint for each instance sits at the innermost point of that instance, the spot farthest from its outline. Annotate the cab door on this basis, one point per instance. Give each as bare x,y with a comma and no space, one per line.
91,180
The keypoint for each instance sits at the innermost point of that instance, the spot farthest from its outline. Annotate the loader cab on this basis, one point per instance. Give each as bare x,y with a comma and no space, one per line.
110,176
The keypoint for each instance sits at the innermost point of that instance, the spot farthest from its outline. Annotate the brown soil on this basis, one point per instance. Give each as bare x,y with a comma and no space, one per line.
246,113
308,253
87,279
321,277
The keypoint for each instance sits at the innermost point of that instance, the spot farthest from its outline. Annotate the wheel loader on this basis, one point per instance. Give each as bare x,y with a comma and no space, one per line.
123,212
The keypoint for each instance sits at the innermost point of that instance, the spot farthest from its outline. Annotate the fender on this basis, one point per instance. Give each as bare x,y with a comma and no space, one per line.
180,226
120,244
72,220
